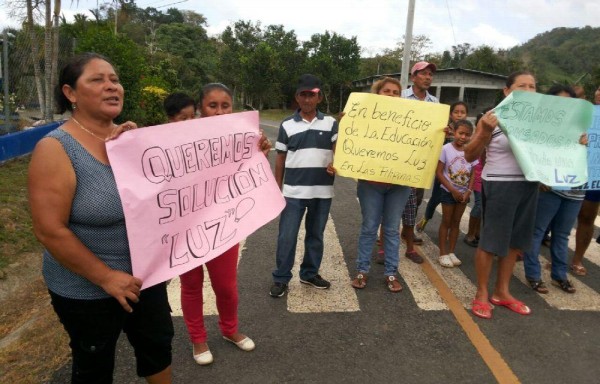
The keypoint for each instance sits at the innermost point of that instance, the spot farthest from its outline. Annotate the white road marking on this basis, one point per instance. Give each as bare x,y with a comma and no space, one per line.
341,297
585,299
418,284
210,304
457,281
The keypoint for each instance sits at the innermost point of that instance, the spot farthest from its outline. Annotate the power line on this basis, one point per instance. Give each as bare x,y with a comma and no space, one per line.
177,2
451,24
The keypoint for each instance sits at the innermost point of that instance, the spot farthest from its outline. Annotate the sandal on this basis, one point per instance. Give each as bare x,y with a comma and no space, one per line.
393,285
514,305
471,242
538,285
578,270
446,261
360,281
414,257
481,309
565,285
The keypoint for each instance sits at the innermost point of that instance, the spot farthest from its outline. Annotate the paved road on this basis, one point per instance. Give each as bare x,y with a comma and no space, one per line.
424,334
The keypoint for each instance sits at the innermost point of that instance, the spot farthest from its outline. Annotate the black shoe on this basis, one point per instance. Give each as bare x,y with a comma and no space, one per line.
472,243
565,285
278,289
546,241
317,282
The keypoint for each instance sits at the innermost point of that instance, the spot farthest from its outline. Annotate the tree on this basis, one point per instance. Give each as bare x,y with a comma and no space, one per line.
290,60
417,50
237,43
35,53
188,47
128,59
486,59
335,59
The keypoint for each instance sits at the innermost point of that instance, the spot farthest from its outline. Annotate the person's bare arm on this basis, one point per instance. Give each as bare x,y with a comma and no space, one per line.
280,168
330,169
482,136
51,184
439,173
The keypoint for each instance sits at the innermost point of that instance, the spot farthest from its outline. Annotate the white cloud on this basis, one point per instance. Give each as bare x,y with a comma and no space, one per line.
485,34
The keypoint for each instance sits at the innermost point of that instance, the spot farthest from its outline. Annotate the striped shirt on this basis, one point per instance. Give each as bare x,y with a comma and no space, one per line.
501,164
309,149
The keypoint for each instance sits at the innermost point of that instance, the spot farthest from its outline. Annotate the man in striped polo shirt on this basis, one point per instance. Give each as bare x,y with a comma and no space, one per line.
305,146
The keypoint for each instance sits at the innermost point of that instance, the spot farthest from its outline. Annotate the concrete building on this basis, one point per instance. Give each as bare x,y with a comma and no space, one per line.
478,89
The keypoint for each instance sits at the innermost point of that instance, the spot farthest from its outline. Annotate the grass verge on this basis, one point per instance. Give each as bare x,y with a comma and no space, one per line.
16,234
33,344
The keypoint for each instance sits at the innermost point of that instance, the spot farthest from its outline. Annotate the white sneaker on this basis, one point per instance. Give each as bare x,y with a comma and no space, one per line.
455,260
446,261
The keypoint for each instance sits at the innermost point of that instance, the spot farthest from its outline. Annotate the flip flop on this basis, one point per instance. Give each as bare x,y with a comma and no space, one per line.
514,305
578,270
360,281
481,309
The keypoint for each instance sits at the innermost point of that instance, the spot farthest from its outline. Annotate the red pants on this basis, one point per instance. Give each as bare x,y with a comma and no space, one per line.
223,277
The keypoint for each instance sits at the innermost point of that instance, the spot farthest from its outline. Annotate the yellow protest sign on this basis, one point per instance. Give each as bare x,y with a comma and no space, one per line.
390,139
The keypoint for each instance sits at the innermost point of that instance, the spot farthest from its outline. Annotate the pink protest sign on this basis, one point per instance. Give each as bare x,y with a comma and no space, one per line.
191,191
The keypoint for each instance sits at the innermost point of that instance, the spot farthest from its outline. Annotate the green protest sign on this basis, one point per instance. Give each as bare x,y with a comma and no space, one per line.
544,132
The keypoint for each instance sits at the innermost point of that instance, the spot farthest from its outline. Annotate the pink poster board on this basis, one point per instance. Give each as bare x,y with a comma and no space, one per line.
191,190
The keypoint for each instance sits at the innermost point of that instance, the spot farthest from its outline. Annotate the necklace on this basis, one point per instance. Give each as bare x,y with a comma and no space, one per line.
87,130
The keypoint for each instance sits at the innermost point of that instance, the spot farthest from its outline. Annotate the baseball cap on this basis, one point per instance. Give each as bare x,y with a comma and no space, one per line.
422,65
308,82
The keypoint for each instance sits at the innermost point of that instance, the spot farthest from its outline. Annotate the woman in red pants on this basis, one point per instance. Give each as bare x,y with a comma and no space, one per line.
215,99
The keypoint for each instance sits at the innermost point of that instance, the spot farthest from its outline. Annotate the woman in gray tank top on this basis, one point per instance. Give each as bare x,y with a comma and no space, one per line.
78,217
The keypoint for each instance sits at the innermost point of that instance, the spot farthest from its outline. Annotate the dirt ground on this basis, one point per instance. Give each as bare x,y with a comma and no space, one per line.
33,343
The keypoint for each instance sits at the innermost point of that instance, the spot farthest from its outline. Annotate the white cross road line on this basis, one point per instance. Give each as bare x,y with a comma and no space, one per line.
418,283
341,297
210,304
593,252
457,281
585,299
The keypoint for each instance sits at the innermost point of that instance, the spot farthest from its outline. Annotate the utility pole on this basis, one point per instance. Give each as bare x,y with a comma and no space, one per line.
407,44
5,79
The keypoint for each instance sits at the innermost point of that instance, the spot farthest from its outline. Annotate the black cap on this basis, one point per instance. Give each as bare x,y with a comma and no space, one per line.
308,82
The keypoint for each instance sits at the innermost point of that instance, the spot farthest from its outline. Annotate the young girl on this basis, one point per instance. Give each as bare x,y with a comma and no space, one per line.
215,99
458,111
456,178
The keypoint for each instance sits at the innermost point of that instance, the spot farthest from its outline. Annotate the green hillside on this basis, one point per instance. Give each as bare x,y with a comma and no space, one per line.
566,55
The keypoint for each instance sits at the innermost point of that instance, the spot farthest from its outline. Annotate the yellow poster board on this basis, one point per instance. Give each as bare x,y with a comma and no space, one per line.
390,139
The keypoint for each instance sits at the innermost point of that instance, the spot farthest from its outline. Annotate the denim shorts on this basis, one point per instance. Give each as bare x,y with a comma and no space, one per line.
94,327
447,198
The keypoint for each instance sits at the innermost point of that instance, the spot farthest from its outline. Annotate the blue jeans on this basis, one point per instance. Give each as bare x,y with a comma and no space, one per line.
379,201
434,199
559,214
476,210
317,212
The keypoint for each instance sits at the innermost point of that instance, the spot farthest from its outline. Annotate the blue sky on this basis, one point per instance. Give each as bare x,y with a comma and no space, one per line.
379,24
